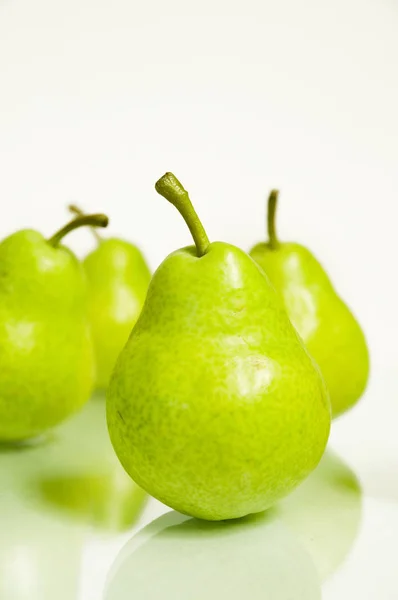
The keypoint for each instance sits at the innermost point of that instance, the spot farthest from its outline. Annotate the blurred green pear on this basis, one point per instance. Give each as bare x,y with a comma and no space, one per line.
118,278
325,323
46,354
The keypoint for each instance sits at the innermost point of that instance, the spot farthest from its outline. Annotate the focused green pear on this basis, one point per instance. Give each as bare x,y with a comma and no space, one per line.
215,407
46,354
325,323
118,278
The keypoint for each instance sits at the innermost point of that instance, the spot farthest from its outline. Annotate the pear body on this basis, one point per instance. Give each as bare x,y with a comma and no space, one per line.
215,407
118,279
327,326
46,353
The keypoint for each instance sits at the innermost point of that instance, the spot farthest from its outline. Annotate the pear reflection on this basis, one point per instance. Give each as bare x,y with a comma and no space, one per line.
53,496
85,479
40,555
279,555
325,513
178,557
111,501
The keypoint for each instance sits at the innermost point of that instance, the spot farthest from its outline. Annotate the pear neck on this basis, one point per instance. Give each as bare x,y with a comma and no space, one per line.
273,241
97,220
170,188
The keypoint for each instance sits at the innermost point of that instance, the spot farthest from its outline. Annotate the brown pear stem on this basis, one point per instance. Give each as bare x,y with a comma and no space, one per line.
76,210
97,220
271,224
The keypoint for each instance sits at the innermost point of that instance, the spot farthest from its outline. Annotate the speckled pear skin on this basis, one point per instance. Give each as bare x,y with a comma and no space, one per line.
118,279
46,353
325,323
215,407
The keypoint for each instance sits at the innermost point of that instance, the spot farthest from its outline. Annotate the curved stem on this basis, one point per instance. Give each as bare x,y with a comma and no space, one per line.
170,188
79,213
91,220
75,210
272,205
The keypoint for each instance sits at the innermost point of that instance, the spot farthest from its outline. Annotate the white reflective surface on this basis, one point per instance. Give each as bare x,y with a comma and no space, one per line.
74,527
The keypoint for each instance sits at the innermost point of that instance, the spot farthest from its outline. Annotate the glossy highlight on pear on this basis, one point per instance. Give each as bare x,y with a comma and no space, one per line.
327,326
215,406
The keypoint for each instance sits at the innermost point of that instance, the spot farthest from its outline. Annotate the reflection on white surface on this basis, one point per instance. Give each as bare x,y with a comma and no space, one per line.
22,571
370,572
367,436
79,475
178,557
325,513
40,555
67,511
320,521
55,496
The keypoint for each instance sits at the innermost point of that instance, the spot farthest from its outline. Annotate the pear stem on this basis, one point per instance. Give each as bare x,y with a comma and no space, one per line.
170,188
91,220
76,210
272,205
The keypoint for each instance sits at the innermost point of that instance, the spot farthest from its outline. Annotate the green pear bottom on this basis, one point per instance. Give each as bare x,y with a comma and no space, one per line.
327,326
118,279
215,406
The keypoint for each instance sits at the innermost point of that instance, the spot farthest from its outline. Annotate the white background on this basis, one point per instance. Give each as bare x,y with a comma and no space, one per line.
98,99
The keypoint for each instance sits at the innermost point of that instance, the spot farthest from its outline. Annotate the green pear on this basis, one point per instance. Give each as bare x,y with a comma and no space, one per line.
324,322
46,353
215,407
175,557
118,278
